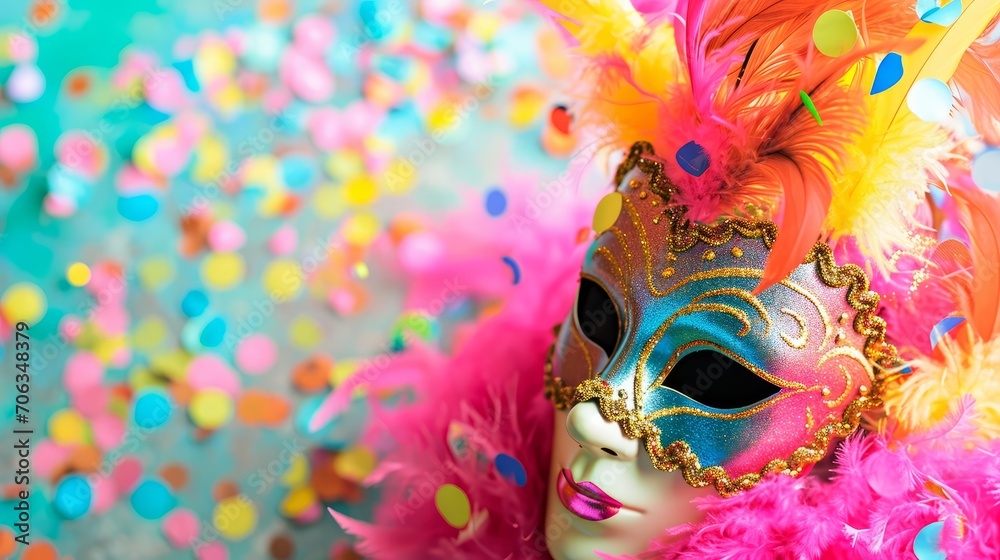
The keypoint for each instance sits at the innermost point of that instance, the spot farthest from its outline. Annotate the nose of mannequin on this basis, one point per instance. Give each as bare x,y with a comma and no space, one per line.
598,435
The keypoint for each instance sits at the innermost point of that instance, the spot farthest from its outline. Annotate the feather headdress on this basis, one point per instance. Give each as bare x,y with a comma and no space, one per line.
756,120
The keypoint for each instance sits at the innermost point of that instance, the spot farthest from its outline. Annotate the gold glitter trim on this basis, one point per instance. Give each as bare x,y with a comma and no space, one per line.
682,235
799,342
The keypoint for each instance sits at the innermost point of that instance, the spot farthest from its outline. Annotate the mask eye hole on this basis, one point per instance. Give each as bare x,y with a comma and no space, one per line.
718,381
597,316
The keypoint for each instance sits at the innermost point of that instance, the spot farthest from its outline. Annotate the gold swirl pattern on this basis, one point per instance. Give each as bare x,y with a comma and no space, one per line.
682,236
799,342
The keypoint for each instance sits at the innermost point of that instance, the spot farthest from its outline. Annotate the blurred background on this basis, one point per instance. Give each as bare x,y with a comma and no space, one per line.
209,210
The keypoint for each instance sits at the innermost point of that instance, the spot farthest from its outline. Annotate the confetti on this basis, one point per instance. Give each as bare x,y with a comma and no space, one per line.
808,102
194,303
607,212
835,33
281,547
68,427
72,497
354,464
138,208
453,505
181,528
25,84
888,73
986,170
932,11
496,202
693,159
511,469
514,268
211,409
927,543
235,518
312,374
152,500
152,409
222,271
930,100
256,354
78,274
943,327
23,301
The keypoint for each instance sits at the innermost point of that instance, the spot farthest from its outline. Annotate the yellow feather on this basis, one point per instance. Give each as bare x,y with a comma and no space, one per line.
937,57
886,172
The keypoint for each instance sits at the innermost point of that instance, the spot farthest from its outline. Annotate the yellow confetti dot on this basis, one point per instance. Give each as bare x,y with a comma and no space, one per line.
141,378
261,171
607,212
355,463
361,270
171,364
23,302
442,119
484,25
222,271
360,191
214,59
453,505
78,274
67,427
399,177
210,158
235,517
345,164
361,229
155,273
297,501
297,473
305,333
107,348
211,408
835,33
149,334
342,370
526,106
283,279
327,202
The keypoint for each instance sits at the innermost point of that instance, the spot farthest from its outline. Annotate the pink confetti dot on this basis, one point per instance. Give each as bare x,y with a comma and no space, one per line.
104,494
90,401
181,528
82,370
307,77
212,551
226,237
111,319
210,372
283,241
22,47
46,456
326,129
420,251
78,151
58,206
313,35
18,148
126,475
70,327
256,354
342,301
108,430
165,90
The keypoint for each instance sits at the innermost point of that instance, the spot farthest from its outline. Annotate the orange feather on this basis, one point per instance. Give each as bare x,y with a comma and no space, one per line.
981,218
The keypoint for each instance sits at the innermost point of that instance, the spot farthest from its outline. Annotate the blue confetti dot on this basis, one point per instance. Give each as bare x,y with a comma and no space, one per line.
137,208
152,409
194,303
943,327
151,500
693,159
371,17
511,469
186,68
73,497
944,16
213,333
927,544
986,170
514,268
888,74
298,172
496,202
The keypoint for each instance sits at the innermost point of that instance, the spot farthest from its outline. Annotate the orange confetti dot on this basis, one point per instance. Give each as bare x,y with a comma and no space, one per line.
274,10
40,550
43,12
78,84
182,393
7,544
85,459
330,486
176,475
225,489
256,407
313,374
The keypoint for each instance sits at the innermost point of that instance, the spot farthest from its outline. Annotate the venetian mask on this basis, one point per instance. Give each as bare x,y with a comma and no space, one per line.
671,362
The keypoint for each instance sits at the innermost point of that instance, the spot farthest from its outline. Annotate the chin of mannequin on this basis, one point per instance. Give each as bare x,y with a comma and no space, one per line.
604,493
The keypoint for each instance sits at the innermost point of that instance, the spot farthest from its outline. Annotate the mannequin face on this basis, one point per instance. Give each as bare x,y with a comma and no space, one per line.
604,493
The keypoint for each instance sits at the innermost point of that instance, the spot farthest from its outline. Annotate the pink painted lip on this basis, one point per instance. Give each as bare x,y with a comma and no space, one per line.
585,499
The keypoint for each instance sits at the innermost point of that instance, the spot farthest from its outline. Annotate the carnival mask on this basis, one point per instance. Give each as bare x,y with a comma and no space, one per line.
670,344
